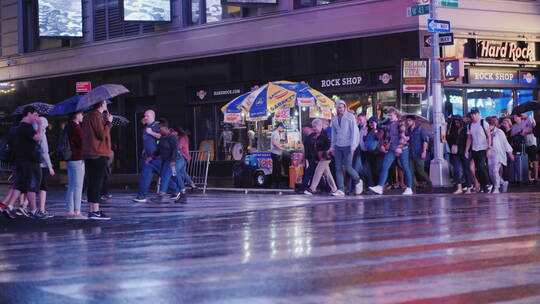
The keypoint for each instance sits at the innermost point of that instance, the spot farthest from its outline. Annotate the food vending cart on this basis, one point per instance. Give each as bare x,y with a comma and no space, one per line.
290,103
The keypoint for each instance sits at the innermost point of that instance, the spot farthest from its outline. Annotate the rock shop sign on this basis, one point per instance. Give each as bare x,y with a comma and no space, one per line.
506,50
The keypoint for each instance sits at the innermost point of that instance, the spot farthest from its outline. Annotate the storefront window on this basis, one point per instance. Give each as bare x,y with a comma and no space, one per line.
359,102
204,129
385,100
491,102
232,138
524,95
453,102
370,103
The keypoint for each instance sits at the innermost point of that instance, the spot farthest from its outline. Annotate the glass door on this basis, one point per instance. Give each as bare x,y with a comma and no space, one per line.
491,102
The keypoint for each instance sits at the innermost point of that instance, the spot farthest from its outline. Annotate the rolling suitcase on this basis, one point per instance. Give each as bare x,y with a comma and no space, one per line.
518,170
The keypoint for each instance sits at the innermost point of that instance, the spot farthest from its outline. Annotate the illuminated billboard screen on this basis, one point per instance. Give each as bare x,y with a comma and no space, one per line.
249,3
60,18
147,10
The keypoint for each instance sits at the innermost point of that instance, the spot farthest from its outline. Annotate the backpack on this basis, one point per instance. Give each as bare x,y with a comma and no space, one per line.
63,149
483,128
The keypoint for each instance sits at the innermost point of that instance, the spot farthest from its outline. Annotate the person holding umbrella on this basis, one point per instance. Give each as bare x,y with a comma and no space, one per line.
96,149
75,166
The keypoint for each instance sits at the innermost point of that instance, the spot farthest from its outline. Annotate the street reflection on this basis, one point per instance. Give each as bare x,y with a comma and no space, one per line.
335,251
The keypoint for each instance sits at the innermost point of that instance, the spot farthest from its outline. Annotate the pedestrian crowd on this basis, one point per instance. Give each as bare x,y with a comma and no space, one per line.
356,155
85,145
347,155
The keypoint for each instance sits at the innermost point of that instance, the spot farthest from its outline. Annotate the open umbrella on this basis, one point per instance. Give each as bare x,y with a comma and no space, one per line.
270,98
119,120
533,105
99,94
232,111
41,107
67,106
309,97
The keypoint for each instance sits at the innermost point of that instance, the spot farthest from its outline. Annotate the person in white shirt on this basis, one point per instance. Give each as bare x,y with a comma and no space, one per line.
276,149
479,144
501,151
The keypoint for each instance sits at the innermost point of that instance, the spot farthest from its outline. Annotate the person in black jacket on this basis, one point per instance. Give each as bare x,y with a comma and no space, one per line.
310,157
26,157
321,144
168,152
457,141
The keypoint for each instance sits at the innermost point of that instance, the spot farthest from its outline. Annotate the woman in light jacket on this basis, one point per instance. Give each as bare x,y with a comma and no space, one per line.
499,150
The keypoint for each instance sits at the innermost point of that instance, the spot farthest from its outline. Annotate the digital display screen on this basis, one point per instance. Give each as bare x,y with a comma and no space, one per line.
239,2
147,10
60,18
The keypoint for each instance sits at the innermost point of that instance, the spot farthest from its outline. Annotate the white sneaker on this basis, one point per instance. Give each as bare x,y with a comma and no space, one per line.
359,188
504,187
308,192
338,193
496,191
489,187
408,191
377,189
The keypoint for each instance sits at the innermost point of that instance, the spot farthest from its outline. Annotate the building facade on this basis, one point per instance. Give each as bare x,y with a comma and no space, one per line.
211,52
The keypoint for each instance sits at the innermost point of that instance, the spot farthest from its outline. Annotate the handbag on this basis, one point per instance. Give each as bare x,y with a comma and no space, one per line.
454,149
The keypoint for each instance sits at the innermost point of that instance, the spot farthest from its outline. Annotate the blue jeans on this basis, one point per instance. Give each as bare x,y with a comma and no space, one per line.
75,171
403,158
461,166
308,175
147,172
178,183
167,176
358,165
343,156
183,173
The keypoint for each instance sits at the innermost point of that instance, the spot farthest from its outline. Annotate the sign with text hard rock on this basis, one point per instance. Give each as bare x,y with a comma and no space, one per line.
414,75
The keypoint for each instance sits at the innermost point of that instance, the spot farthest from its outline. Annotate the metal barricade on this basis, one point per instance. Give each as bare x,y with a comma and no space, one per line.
198,167
5,171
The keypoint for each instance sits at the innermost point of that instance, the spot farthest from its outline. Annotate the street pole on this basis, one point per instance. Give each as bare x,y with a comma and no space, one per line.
439,173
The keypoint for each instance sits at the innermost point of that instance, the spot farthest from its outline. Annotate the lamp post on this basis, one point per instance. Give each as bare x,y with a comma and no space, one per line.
439,172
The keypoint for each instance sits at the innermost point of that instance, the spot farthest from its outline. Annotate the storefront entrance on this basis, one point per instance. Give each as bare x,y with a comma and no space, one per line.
490,102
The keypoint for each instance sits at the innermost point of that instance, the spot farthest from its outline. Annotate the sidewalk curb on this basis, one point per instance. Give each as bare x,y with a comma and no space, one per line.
253,190
438,190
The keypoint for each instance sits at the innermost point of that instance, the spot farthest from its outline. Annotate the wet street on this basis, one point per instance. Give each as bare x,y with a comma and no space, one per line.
260,248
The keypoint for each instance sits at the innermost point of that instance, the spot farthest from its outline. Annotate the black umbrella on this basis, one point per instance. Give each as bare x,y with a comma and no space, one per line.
533,105
100,94
41,107
119,120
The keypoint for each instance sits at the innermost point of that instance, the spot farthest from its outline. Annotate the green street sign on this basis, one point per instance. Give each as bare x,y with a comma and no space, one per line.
448,3
417,10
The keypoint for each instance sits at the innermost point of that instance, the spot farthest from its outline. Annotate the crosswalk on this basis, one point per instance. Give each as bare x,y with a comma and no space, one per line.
236,248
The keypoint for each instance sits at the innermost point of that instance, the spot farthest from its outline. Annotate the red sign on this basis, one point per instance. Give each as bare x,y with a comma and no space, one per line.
414,88
83,86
